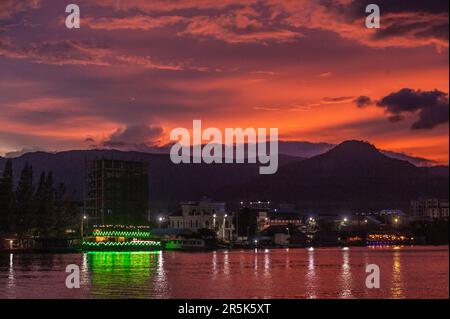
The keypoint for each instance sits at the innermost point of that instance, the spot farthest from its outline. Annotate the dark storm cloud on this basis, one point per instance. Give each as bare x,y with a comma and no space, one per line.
432,106
136,137
338,99
362,101
405,19
395,118
399,6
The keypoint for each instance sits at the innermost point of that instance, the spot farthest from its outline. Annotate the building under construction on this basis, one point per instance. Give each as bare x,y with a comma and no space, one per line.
116,192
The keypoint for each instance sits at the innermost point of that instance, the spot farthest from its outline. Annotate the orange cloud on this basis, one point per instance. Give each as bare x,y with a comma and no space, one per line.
139,22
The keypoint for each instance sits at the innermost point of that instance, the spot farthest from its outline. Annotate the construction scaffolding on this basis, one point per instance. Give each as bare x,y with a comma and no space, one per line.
116,191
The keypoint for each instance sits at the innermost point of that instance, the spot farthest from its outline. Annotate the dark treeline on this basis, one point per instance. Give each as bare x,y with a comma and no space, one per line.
36,210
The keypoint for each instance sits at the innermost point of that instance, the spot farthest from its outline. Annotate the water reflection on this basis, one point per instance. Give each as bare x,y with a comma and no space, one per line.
279,273
346,275
310,278
226,263
214,265
113,273
11,277
161,282
266,263
256,262
84,271
397,281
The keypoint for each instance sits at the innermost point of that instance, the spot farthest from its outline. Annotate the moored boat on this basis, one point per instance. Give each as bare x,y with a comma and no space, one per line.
185,244
121,238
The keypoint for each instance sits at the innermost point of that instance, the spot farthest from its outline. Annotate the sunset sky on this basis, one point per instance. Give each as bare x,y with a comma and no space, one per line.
137,69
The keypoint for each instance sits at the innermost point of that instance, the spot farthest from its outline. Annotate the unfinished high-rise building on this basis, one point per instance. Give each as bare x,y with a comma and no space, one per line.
116,192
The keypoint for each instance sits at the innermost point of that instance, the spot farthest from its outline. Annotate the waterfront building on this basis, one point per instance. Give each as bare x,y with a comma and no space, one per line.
258,216
251,218
392,217
280,218
204,214
429,208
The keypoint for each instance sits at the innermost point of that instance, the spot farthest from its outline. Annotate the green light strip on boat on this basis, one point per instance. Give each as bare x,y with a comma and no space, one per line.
125,244
122,233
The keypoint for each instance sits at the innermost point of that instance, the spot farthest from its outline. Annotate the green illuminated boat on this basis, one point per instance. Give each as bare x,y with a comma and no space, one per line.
121,238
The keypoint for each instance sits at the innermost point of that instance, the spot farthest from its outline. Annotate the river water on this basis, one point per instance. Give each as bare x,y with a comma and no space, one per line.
405,272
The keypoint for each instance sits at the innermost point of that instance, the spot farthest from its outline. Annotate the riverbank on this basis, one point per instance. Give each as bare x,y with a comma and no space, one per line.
73,250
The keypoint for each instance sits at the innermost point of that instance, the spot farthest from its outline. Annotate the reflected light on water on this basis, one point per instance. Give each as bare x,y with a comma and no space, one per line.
214,264
11,277
346,276
310,278
84,271
256,262
226,263
112,273
396,282
161,283
408,272
267,264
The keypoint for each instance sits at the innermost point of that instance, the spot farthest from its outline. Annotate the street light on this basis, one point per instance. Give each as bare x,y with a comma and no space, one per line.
82,226
160,219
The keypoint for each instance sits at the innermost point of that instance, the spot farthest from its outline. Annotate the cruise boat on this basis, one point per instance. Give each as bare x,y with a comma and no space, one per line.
121,238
